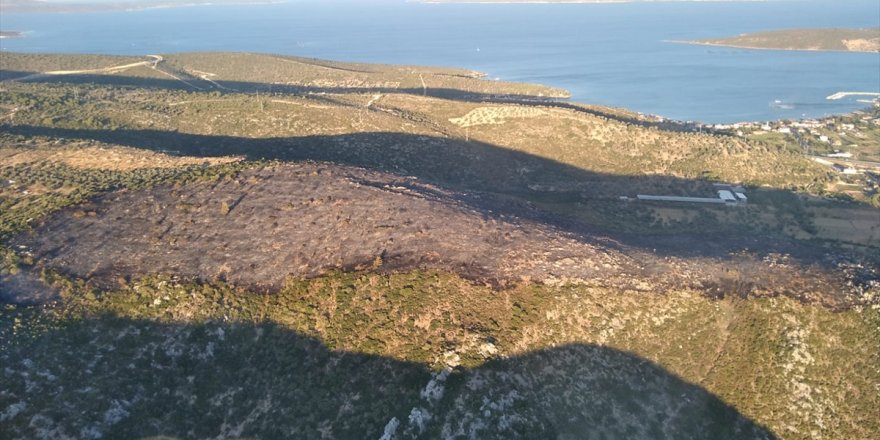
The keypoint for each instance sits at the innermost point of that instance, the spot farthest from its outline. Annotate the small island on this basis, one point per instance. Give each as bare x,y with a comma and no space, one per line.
844,40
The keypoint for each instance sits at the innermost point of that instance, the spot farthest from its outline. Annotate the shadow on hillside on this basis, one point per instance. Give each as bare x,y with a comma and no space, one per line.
6,74
517,181
119,378
196,84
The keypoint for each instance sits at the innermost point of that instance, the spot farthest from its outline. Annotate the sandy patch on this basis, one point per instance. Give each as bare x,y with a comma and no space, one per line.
863,45
496,115
104,158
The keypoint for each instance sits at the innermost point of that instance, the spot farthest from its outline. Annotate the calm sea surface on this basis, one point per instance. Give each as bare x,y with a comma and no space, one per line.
612,54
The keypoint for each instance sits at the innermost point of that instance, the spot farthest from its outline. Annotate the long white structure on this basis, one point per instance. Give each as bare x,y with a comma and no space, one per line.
841,95
681,199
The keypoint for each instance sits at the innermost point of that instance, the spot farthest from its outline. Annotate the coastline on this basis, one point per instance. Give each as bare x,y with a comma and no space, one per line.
537,2
87,7
565,96
739,46
11,34
569,2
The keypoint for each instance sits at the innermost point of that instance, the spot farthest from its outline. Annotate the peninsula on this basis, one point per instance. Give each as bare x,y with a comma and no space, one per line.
844,40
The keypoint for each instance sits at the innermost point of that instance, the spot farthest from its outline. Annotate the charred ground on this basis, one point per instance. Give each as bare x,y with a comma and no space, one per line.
261,226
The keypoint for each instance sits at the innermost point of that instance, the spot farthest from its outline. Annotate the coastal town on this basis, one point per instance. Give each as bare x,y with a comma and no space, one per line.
848,145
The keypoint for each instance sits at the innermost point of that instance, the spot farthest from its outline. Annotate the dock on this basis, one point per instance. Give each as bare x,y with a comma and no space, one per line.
841,95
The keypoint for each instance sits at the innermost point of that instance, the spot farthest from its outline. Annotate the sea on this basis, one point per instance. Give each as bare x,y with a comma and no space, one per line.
615,54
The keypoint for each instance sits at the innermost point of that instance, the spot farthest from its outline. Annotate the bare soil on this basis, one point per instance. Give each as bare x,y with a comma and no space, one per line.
854,225
496,115
99,158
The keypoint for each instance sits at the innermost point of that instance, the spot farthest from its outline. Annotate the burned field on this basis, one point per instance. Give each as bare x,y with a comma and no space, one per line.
303,220
306,219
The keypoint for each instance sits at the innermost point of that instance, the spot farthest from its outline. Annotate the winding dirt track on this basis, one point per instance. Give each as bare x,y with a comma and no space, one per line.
153,64
156,59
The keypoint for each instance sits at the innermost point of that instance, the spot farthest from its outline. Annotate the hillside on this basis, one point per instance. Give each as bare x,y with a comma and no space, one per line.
847,40
296,248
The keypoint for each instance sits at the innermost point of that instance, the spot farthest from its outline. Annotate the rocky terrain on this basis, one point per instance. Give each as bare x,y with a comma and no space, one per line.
260,246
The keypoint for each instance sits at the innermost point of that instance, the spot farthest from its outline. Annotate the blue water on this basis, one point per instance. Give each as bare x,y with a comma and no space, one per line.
612,54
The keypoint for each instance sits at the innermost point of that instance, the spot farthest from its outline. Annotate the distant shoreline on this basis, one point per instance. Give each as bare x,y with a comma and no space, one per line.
134,6
525,2
11,34
864,40
738,46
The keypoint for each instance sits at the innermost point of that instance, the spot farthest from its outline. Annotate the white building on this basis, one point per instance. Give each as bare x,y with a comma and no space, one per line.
845,169
840,154
727,196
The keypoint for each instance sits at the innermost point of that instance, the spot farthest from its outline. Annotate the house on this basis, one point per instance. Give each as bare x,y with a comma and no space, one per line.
727,196
840,154
678,199
808,123
844,169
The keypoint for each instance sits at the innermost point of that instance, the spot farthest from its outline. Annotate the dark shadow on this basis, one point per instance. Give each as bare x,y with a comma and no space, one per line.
493,179
6,74
496,184
196,84
193,83
111,377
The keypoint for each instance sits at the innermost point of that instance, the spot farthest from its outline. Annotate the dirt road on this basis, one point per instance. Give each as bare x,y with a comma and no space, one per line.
156,59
